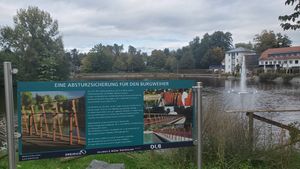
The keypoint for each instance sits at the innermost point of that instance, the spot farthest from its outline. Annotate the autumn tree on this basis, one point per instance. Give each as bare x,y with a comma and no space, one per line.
268,39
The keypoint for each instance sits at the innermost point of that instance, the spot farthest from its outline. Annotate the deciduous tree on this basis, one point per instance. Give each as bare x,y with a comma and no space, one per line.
268,39
35,39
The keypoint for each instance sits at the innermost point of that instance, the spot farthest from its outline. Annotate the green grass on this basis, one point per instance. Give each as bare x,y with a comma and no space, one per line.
181,158
134,160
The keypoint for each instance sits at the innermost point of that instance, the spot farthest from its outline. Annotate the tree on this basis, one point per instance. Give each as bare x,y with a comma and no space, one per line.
7,55
131,50
99,59
171,63
248,45
60,98
157,59
167,51
121,63
200,48
35,39
283,41
117,50
47,69
187,61
136,63
292,20
268,39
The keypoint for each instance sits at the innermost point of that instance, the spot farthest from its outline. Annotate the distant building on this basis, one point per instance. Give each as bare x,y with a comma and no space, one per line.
276,58
233,59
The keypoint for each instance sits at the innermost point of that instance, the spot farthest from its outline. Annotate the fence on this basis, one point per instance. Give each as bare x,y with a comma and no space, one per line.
31,125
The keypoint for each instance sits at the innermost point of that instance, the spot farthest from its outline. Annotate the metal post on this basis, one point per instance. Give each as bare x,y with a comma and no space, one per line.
250,134
195,104
9,103
198,107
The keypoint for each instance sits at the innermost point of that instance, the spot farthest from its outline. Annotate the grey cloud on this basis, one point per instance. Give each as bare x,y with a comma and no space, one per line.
156,23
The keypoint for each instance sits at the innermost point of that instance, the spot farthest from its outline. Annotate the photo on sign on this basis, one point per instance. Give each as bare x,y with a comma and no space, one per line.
168,115
52,120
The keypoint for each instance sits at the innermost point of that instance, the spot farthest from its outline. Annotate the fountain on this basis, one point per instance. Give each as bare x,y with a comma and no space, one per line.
243,79
240,96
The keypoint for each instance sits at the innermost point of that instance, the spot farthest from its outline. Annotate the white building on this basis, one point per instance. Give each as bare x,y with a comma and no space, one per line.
233,58
276,58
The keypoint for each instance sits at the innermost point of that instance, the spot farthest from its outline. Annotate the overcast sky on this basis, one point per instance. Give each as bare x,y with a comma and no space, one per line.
154,24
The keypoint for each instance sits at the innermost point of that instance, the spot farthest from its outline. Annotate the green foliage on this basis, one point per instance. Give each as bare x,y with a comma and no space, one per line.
202,50
171,64
99,59
294,133
131,50
74,59
47,69
267,77
7,55
136,63
248,45
60,98
157,59
26,98
292,20
268,39
35,39
187,60
121,63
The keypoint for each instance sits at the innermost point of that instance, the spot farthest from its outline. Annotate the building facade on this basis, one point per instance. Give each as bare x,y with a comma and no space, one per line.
276,58
233,59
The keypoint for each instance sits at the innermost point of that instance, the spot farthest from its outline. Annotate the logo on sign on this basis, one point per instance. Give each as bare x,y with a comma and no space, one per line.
155,146
82,152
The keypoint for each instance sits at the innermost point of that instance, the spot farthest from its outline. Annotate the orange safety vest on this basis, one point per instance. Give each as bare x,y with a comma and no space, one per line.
169,98
179,99
188,100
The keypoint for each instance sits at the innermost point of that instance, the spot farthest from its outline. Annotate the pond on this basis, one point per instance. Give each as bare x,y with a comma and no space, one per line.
261,96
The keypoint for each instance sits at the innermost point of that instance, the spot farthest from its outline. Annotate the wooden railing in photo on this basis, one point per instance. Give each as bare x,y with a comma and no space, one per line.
251,116
175,134
56,123
156,118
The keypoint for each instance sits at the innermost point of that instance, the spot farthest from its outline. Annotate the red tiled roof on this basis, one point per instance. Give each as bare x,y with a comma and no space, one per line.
266,53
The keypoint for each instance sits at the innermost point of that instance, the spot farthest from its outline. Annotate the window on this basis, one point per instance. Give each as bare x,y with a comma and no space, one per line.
285,61
266,63
291,62
296,61
279,62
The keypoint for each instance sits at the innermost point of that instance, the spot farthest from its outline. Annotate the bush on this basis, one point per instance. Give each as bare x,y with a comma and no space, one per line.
267,77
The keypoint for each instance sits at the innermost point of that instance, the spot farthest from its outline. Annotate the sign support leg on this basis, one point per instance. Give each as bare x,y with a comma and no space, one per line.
9,104
198,107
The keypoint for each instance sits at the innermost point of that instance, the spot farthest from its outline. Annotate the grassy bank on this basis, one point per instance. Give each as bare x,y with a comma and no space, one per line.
135,160
182,158
268,77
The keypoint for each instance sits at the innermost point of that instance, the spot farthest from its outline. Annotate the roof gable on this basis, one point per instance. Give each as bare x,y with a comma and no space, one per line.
240,49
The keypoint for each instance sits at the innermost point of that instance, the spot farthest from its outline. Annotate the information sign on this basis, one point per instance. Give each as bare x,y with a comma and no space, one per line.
75,118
